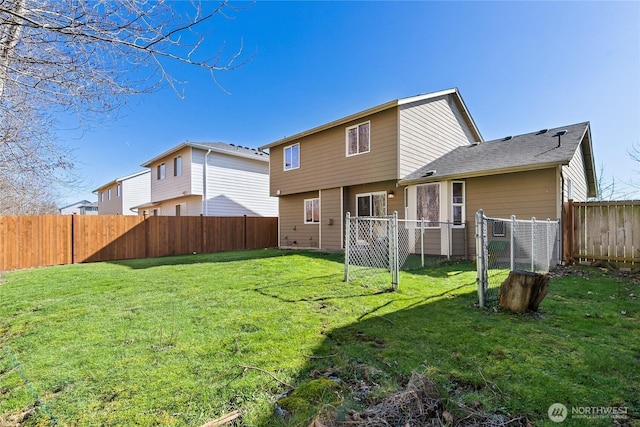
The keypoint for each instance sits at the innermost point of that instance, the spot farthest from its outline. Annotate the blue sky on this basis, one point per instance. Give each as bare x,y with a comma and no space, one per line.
520,67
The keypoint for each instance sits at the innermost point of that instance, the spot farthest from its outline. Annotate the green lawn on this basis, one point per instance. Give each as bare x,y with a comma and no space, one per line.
183,340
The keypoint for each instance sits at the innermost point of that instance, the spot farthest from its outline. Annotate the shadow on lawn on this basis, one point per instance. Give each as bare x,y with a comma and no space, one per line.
221,257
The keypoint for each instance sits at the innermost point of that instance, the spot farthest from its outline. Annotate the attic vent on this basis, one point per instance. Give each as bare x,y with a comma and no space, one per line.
428,173
507,138
541,131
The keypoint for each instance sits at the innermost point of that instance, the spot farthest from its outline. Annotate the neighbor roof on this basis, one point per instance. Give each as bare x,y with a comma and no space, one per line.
530,151
395,103
217,147
124,178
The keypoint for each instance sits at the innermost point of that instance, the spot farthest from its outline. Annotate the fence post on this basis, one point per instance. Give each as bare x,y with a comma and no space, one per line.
512,243
422,242
347,244
73,238
480,256
548,246
394,255
450,238
533,245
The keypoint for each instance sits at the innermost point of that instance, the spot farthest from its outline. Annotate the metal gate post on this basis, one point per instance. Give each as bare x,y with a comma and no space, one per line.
347,245
512,244
481,254
395,257
422,242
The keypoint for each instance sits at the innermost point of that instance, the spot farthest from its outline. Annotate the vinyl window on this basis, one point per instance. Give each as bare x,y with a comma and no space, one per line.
292,157
458,203
371,204
312,211
118,190
177,166
358,139
161,171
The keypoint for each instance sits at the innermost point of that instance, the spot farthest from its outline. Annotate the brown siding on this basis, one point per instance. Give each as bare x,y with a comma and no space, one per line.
293,231
395,204
111,206
331,215
523,194
323,160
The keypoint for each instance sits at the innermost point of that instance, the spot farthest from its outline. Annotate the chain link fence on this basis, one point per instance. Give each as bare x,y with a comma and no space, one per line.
504,245
378,248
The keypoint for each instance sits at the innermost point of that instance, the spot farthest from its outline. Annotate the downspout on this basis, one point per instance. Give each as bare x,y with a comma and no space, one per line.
204,185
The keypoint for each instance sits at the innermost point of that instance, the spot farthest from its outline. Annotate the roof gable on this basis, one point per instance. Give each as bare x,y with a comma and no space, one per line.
382,107
217,147
530,151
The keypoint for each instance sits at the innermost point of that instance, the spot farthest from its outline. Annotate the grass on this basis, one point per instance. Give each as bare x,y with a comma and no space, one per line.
183,340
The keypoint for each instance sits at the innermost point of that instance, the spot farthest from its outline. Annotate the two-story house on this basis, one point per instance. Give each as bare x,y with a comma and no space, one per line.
419,156
211,179
122,195
83,207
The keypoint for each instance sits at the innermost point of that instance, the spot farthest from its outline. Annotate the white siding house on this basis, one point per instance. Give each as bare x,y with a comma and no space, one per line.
211,179
122,195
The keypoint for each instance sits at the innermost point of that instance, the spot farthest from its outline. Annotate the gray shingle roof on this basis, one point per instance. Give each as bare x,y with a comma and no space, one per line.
520,152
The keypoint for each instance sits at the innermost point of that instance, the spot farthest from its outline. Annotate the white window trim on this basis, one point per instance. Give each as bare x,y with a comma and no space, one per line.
118,190
108,194
427,222
161,171
284,157
463,204
371,194
346,138
305,211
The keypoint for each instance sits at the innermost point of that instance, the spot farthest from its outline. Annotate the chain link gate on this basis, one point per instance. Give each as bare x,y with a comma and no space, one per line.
504,245
377,248
371,250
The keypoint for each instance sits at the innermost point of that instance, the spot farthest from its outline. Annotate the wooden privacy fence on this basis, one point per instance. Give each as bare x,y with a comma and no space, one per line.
35,241
602,231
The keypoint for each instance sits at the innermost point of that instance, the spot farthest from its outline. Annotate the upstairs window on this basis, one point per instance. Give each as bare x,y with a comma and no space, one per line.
109,194
312,211
118,190
292,157
161,171
358,137
177,166
428,203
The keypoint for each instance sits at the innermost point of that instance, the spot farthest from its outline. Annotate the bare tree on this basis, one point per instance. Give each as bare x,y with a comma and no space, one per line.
59,55
634,153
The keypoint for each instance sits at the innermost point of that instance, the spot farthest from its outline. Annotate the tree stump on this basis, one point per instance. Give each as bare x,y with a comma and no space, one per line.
523,290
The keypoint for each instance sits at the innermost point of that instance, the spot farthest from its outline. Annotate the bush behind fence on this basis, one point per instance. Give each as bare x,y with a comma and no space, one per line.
36,241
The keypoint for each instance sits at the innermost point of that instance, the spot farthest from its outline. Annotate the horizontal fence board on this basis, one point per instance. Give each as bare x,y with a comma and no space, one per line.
36,241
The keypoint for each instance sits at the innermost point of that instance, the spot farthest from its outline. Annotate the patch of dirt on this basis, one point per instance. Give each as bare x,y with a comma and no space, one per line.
419,404
16,419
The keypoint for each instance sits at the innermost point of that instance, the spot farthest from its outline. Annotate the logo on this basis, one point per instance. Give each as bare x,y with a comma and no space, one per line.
557,412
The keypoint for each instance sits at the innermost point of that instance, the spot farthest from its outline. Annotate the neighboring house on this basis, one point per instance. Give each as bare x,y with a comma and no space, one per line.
211,179
83,207
122,195
421,156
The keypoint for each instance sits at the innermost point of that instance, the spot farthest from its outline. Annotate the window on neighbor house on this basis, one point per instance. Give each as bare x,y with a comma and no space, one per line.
177,210
177,166
457,203
155,212
292,157
358,137
109,194
118,190
102,196
162,170
428,203
371,204
569,189
312,211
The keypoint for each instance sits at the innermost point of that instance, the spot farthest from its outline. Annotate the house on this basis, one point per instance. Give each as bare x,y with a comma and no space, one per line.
83,207
422,157
122,195
211,179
